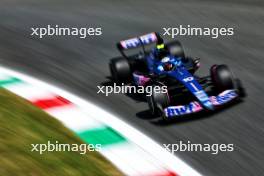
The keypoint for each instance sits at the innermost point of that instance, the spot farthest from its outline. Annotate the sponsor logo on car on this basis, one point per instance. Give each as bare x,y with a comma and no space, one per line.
183,109
148,38
224,97
135,42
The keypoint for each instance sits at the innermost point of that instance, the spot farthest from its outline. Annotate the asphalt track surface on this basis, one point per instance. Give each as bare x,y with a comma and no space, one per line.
79,65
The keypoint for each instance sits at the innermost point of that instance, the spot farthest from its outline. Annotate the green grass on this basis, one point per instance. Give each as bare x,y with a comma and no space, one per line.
21,125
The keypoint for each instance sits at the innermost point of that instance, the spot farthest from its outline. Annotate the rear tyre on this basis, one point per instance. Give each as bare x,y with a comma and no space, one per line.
157,102
120,70
222,77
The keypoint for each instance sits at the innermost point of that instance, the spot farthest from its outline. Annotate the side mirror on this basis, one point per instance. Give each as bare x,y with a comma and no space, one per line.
197,63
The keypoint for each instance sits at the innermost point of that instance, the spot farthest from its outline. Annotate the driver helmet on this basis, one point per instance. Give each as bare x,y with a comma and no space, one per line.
168,66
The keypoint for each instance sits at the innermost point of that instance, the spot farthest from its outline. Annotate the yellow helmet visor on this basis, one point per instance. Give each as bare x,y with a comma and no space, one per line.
161,46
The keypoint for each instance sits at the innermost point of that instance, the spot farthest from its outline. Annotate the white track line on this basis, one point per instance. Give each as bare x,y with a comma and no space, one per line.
146,144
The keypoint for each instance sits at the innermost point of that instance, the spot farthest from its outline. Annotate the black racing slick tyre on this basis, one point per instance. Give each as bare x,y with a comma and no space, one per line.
176,49
120,70
240,88
222,77
157,102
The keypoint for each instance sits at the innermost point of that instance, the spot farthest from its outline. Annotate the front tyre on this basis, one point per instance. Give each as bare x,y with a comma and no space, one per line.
240,89
222,78
157,102
176,49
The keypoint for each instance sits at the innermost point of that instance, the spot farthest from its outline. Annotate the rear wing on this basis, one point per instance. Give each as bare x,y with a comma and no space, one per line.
138,42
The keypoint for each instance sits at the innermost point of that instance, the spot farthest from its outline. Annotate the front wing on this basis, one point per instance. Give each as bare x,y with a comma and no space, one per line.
193,107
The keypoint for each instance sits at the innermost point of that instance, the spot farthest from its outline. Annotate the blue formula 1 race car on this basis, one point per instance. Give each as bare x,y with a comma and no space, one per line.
165,64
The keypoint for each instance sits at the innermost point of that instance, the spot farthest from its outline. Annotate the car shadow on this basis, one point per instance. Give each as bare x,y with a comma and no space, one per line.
158,121
108,82
146,115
